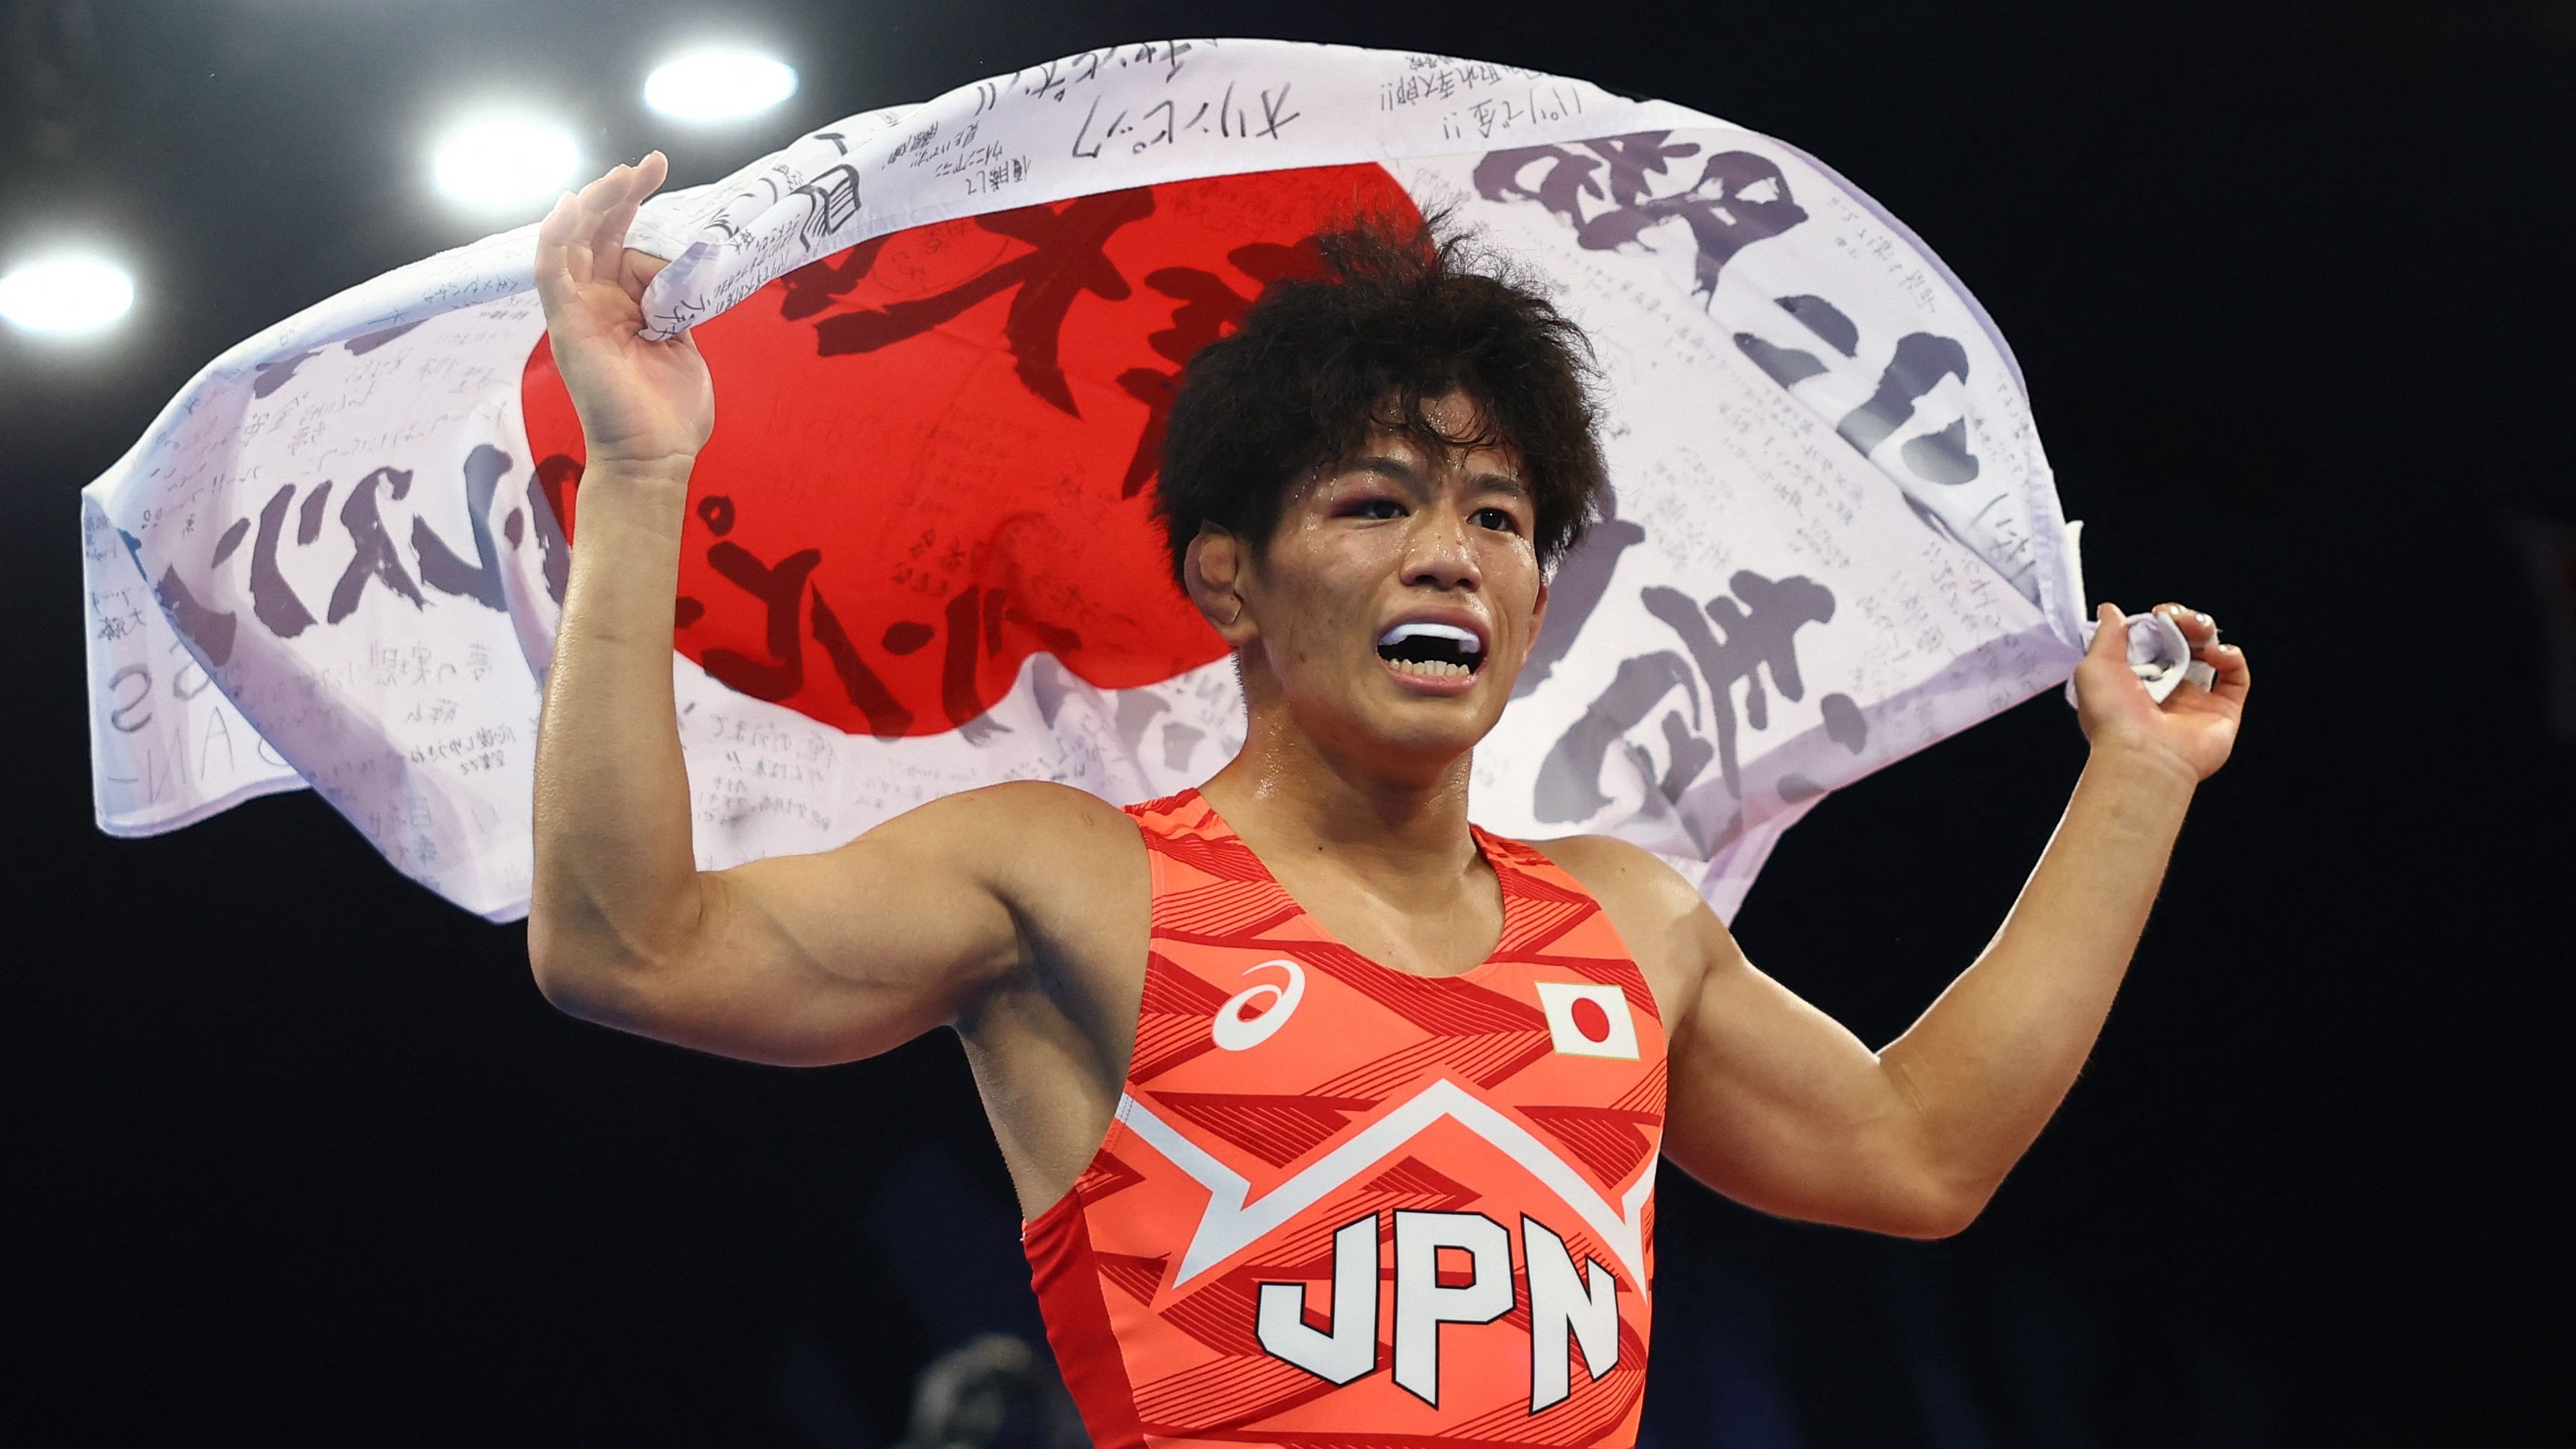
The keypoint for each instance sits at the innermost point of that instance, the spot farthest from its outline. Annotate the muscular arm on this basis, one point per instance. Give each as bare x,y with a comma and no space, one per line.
794,960
1777,1105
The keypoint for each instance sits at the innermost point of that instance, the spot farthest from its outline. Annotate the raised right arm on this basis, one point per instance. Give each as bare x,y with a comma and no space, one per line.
795,960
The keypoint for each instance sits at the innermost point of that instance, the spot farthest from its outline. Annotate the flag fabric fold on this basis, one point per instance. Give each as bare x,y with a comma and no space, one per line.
919,552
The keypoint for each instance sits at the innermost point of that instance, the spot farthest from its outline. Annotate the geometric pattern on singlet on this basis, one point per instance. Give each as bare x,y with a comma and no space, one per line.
1347,1207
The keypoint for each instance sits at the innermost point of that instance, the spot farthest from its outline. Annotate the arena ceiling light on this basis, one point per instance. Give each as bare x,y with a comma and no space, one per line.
69,294
501,162
718,85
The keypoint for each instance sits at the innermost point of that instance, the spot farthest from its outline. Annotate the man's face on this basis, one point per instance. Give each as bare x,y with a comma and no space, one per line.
1401,594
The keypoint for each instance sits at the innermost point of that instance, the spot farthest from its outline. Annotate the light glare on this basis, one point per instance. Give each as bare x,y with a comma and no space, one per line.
715,85
66,296
504,161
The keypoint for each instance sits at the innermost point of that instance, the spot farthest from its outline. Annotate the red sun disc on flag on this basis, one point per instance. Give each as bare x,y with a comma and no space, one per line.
934,451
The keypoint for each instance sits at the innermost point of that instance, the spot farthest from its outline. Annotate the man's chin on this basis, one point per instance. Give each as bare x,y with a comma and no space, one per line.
1430,728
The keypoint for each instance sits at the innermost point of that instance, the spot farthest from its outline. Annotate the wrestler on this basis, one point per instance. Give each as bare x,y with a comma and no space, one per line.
1330,1114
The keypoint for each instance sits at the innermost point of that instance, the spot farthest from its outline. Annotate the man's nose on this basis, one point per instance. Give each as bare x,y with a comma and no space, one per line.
1438,553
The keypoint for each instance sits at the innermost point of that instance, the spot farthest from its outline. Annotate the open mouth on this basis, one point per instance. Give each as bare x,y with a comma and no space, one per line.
1431,651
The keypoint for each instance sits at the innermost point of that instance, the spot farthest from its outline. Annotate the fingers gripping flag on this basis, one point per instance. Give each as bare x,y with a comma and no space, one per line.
919,552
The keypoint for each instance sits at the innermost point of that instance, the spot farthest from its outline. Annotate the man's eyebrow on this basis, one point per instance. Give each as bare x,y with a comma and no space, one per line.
1386,465
1403,473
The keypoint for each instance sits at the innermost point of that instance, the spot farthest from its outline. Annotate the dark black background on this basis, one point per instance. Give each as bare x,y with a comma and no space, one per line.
298,1151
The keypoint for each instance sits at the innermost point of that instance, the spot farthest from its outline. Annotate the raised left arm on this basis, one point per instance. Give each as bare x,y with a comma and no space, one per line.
1778,1106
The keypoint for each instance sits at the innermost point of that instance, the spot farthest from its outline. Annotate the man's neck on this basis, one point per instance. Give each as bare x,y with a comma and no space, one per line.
1300,805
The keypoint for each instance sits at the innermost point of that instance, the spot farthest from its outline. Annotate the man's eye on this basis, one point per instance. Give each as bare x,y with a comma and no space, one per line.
1374,508
1497,518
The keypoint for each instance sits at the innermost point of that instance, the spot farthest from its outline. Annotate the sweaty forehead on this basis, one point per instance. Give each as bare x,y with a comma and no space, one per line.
1450,431
1402,460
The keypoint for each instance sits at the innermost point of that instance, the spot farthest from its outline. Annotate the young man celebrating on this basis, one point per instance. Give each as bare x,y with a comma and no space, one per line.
1333,1117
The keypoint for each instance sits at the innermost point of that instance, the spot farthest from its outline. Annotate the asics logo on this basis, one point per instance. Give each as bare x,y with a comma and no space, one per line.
1255,1014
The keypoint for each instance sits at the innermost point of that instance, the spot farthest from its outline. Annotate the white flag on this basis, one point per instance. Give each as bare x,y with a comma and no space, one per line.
919,556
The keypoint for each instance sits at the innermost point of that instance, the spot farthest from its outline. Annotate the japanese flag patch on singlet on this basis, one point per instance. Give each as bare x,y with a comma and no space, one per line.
1589,1020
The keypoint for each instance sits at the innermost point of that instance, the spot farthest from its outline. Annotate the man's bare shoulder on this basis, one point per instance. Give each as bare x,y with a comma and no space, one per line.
1619,874
1041,805
1667,927
1021,826
1007,875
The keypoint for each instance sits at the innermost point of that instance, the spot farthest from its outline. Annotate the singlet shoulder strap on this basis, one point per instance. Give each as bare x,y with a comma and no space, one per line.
1182,814
1186,828
1524,870
1550,919
1198,862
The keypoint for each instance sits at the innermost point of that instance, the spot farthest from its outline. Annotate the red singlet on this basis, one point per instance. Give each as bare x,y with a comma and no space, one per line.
1345,1207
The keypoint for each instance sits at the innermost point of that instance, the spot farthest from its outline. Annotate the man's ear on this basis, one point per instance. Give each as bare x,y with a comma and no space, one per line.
1213,571
1538,623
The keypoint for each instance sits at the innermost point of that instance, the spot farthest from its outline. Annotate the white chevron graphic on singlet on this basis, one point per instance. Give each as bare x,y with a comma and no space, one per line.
1230,1224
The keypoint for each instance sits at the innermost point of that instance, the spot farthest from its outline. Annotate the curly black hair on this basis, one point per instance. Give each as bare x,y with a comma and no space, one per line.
1390,316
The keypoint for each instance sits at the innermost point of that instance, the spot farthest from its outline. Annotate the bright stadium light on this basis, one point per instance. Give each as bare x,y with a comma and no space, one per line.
498,162
718,85
65,295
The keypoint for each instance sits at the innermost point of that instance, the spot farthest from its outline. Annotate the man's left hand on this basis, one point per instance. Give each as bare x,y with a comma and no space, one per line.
2195,727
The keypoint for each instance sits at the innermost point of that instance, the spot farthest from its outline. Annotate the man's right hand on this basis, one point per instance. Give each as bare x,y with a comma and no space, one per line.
643,404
